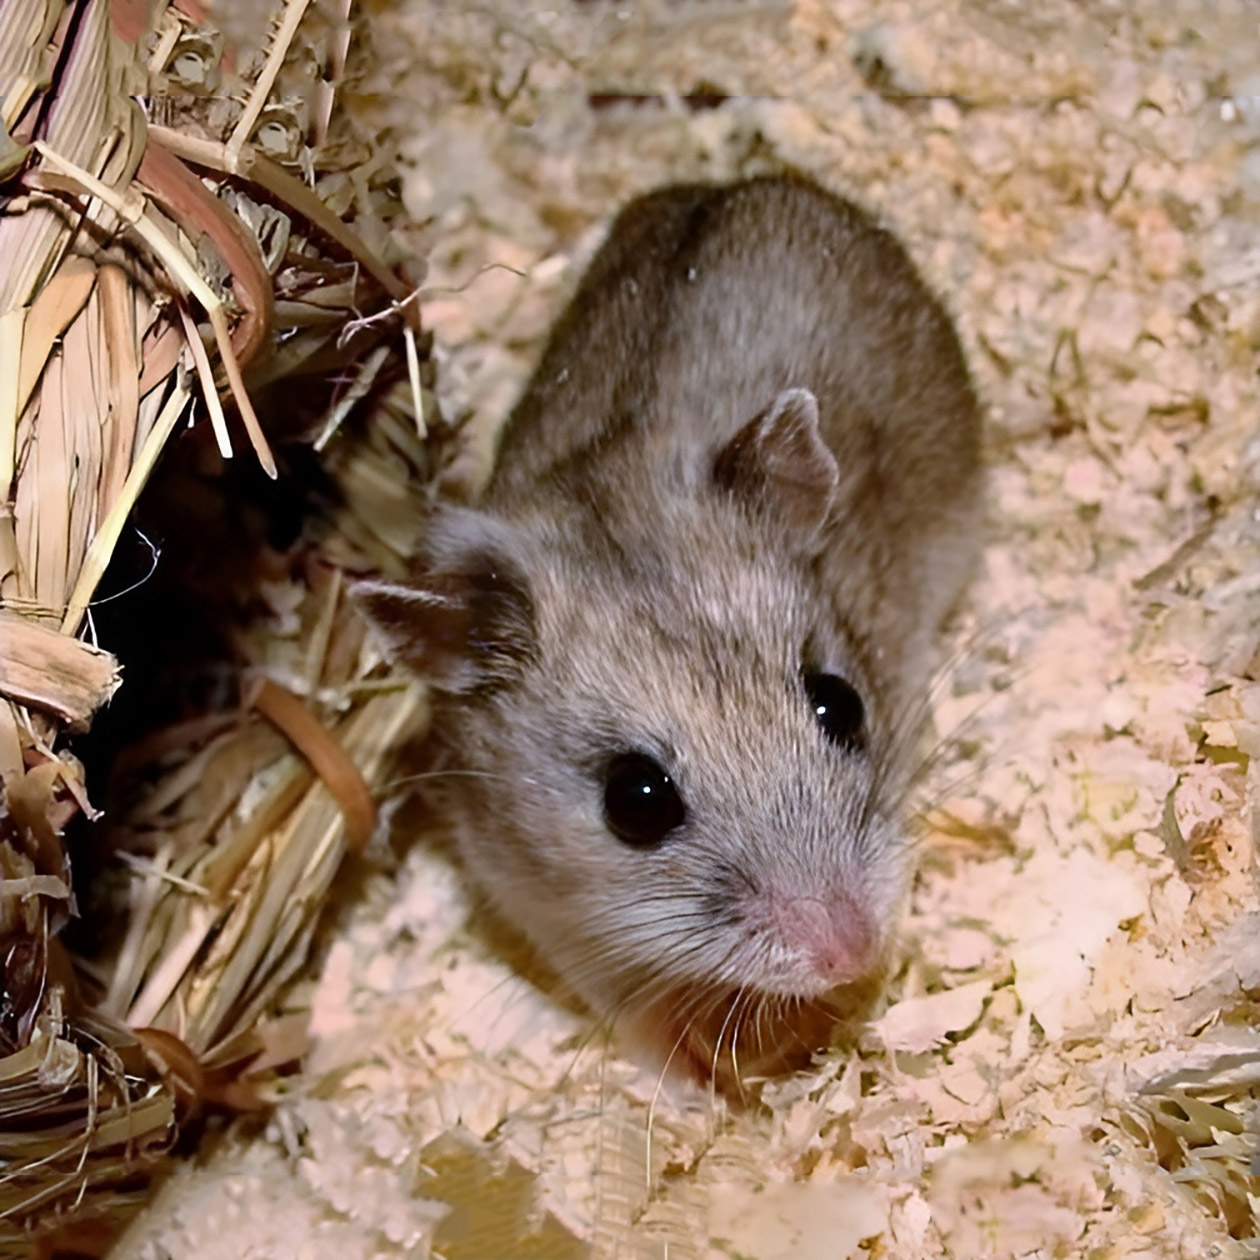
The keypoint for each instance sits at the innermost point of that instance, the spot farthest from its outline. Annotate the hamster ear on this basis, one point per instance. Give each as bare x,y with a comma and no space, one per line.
779,462
467,622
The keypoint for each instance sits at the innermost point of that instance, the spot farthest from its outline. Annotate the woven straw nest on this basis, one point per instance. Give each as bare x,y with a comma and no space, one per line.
158,266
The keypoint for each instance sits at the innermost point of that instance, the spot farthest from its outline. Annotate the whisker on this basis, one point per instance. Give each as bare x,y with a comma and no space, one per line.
428,776
656,1097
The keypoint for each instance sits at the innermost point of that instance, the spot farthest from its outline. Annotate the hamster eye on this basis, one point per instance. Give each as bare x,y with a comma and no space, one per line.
838,709
641,803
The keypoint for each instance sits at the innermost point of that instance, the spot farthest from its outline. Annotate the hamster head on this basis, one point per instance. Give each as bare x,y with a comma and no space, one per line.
672,766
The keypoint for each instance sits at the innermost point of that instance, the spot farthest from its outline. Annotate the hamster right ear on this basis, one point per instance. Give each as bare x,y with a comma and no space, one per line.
779,461
466,623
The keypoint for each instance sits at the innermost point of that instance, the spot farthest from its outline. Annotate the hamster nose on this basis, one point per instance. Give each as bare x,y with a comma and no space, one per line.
839,939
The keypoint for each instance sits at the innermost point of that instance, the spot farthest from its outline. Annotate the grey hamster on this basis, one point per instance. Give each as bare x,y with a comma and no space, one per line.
683,644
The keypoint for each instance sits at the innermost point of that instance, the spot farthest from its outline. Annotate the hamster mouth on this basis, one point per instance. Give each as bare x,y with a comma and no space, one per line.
738,1037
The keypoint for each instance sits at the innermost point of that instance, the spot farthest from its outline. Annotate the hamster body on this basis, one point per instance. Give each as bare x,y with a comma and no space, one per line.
685,640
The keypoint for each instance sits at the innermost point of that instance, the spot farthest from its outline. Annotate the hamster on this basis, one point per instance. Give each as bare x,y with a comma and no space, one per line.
682,647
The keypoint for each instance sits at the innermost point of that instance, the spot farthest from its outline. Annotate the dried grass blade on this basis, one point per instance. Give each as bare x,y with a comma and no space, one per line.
413,379
223,336
205,375
176,1062
55,307
309,851
145,890
131,207
236,847
368,370
11,765
123,367
84,407
265,898
47,507
78,119
293,12
316,655
169,31
13,584
32,242
160,351
327,758
211,781
177,956
183,196
274,179
102,546
12,324
47,670
26,26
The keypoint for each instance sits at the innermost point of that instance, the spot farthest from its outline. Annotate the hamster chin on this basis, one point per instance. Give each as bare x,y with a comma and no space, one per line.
735,1038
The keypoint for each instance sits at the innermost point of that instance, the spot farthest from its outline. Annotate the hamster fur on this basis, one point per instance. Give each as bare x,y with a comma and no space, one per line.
682,646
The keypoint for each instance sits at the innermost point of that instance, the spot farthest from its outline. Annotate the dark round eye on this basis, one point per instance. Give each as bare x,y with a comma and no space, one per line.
838,709
641,803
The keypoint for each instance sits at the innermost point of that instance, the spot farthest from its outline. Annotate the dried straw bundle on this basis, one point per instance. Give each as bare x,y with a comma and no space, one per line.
147,269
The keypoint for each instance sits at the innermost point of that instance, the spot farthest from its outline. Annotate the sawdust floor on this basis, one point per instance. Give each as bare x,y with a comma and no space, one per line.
1069,1061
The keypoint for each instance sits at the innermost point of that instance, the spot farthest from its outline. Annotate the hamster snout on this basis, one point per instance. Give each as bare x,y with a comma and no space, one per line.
832,935
679,647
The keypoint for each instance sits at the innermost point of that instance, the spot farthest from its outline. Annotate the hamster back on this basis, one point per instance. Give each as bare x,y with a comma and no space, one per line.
683,644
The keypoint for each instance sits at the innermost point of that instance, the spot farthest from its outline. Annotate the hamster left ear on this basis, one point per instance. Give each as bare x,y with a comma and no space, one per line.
779,462
465,625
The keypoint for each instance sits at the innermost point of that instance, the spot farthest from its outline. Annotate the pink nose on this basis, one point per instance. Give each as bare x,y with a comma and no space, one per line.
839,939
